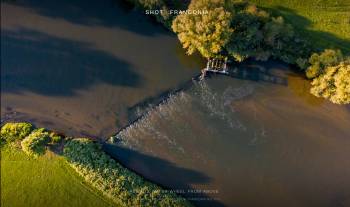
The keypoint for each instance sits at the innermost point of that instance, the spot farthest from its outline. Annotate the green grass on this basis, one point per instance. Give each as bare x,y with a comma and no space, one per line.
41,182
326,23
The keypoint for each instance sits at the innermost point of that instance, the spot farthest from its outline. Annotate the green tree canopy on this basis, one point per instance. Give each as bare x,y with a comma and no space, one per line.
318,62
333,84
15,131
247,38
204,32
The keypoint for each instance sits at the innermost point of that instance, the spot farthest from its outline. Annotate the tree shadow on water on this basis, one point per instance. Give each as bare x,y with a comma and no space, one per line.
107,13
37,62
163,173
259,71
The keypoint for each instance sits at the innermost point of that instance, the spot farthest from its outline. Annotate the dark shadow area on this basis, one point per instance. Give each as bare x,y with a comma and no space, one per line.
162,172
108,13
302,25
196,60
32,61
258,72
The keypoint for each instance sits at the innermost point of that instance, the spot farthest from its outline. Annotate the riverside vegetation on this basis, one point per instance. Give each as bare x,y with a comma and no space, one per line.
115,184
47,180
115,181
241,30
51,178
333,84
324,23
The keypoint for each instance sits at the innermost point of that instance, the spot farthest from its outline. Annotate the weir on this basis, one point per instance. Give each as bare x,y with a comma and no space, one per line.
156,101
214,66
197,134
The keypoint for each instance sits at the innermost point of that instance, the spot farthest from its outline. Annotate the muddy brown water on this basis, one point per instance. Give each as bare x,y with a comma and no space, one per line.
79,66
244,143
256,139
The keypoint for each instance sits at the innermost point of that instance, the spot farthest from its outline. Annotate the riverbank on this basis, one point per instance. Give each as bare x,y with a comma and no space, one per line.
270,129
245,31
243,138
100,173
64,71
45,181
325,23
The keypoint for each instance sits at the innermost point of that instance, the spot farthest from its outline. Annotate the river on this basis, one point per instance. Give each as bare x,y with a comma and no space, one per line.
78,67
255,139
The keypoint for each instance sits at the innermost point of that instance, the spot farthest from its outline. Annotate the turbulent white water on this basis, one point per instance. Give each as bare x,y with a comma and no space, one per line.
242,138
220,103
172,118
259,139
147,126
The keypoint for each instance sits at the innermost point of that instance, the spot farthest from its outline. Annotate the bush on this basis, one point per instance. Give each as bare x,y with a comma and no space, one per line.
333,84
55,138
116,182
318,62
34,143
15,131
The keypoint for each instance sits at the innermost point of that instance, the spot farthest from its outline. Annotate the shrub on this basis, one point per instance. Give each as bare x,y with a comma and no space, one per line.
318,62
116,182
55,138
333,84
302,63
34,143
15,131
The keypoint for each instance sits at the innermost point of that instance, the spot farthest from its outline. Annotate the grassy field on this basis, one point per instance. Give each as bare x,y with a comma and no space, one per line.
326,23
45,181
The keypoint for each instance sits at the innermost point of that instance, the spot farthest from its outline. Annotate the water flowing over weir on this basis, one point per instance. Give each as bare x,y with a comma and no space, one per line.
178,106
241,143
257,139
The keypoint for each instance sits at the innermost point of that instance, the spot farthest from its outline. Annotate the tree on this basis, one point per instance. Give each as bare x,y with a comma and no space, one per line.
333,84
318,62
284,44
204,32
247,39
259,35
